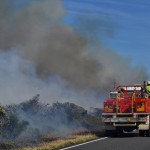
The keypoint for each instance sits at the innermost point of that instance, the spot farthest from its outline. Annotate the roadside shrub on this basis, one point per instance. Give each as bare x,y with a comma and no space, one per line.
13,127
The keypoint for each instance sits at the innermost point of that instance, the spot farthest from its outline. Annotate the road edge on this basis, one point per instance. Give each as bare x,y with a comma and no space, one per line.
84,143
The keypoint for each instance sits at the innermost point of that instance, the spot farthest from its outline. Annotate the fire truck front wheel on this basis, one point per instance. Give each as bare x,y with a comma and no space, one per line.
147,133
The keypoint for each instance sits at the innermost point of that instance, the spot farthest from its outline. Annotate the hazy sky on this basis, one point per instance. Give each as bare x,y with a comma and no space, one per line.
129,20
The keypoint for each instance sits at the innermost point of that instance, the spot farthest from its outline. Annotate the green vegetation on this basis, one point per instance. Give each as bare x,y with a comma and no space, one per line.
13,127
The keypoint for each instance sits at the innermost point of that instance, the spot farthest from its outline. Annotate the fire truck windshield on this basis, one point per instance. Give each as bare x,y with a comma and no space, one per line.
113,94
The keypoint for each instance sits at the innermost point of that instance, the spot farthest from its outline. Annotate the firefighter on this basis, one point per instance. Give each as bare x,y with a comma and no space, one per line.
147,87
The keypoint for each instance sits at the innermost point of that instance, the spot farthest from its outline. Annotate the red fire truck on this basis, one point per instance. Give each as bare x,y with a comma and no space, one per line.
127,109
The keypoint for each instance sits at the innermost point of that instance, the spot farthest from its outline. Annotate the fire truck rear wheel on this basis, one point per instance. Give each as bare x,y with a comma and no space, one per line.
119,131
110,133
141,132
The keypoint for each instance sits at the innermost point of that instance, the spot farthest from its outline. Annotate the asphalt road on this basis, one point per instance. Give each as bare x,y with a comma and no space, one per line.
126,142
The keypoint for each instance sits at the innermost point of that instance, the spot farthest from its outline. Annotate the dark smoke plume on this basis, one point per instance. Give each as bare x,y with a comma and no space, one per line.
38,34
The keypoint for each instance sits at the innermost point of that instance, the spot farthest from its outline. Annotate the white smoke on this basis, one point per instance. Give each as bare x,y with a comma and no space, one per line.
19,82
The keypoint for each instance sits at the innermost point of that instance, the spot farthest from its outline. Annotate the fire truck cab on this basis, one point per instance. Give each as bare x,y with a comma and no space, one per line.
127,109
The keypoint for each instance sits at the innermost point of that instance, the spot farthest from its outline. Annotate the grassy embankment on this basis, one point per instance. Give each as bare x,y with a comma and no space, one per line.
61,143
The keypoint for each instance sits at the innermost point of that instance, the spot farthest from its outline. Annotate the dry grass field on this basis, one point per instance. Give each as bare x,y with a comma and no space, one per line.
61,143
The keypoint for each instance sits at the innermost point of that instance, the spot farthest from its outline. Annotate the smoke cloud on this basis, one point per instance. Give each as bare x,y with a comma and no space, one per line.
39,50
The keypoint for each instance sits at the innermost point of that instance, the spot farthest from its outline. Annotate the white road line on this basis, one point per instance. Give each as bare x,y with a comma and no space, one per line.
84,143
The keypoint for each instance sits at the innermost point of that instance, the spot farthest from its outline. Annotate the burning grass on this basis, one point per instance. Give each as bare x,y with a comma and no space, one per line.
61,143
